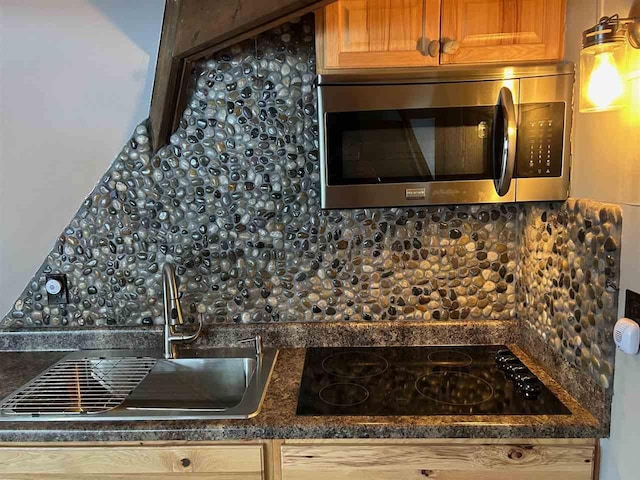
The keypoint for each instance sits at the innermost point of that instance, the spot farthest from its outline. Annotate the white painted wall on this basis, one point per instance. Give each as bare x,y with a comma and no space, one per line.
620,451
607,168
75,79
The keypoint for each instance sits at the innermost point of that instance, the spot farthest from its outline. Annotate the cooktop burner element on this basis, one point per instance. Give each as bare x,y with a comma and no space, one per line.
454,388
449,358
355,364
465,380
344,394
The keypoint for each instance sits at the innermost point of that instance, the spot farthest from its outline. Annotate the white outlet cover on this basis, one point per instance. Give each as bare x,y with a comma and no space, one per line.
626,335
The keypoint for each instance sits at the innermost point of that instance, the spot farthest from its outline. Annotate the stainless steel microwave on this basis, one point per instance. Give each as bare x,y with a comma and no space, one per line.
453,135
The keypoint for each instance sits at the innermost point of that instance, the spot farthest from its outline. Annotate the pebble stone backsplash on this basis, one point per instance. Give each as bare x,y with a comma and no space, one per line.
568,280
233,200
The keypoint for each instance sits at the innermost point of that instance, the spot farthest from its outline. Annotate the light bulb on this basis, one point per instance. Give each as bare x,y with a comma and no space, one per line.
605,84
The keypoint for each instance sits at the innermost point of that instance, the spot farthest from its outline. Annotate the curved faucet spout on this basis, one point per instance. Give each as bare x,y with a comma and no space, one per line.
173,313
172,309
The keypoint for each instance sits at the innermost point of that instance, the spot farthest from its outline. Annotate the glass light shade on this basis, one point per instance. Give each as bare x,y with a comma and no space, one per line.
602,82
633,81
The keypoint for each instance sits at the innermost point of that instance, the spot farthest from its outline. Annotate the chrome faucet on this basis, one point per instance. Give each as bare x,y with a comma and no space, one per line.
257,341
173,313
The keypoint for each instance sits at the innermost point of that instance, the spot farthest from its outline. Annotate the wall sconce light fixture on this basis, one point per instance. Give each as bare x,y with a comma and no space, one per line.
603,62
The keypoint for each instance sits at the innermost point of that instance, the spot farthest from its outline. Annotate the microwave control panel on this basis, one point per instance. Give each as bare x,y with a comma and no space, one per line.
539,152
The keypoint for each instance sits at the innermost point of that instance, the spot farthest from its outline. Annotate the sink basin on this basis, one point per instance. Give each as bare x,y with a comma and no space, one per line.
219,383
209,384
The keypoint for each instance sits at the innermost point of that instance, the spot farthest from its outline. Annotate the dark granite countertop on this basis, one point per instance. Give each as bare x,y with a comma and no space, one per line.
278,419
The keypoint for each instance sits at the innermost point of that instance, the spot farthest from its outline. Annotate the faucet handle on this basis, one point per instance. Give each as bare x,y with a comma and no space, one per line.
258,343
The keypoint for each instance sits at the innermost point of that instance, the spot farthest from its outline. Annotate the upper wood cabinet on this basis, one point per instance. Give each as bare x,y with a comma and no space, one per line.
398,33
503,30
370,33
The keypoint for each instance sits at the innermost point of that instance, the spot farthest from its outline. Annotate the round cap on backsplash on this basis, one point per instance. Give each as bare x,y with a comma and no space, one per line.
53,286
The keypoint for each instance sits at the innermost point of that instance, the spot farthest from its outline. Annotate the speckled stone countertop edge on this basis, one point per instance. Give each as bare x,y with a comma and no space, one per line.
206,433
287,335
578,383
60,340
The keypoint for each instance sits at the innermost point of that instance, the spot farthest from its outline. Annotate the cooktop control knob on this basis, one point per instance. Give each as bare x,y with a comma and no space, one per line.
525,382
503,361
531,392
514,370
529,386
521,373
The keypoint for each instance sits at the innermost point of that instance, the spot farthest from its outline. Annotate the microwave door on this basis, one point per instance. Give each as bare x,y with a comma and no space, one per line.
416,144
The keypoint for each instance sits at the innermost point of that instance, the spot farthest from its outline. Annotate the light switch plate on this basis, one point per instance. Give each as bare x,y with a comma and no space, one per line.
632,306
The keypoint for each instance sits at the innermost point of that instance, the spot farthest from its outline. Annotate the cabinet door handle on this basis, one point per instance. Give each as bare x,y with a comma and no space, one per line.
450,47
434,48
185,462
426,47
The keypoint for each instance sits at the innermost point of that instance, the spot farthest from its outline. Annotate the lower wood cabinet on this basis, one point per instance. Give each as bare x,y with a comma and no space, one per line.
438,459
442,459
108,461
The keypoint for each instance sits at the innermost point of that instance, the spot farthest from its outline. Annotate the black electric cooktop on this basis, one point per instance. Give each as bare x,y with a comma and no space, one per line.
378,381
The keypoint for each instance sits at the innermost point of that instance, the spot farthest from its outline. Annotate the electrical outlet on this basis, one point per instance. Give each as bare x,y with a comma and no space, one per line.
57,289
632,306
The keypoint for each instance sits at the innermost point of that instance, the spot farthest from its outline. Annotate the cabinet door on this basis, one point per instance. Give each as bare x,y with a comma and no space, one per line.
362,461
377,33
503,30
222,462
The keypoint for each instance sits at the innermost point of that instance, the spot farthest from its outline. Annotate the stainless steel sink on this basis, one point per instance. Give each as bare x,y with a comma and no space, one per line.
223,383
208,384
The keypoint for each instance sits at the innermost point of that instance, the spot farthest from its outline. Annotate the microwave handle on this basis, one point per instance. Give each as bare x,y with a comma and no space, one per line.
505,142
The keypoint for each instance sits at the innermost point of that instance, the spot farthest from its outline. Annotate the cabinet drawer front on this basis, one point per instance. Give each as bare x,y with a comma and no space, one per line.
460,462
243,461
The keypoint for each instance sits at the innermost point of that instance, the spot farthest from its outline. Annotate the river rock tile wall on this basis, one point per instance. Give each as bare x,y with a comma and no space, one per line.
234,202
568,278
